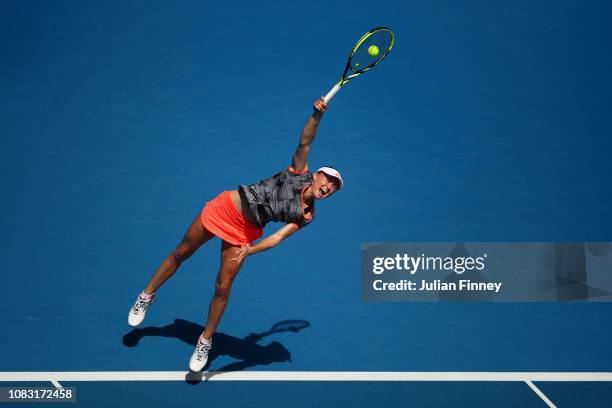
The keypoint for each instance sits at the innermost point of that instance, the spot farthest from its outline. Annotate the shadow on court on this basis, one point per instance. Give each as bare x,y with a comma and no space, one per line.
246,350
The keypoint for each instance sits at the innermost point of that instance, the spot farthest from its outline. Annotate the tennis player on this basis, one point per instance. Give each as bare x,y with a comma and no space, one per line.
238,218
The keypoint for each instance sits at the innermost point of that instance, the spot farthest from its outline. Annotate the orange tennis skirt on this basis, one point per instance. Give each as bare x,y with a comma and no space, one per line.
221,217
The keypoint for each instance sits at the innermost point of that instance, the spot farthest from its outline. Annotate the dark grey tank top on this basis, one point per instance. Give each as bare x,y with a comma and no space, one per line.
278,198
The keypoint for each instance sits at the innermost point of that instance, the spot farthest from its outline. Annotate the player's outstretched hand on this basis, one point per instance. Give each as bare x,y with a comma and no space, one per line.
242,253
320,105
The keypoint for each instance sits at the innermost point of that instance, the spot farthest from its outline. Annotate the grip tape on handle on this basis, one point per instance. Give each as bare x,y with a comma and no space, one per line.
332,92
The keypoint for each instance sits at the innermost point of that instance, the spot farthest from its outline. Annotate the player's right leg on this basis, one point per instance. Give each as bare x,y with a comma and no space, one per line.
195,236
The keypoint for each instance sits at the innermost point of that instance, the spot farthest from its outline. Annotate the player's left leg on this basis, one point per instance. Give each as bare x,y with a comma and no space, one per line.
227,273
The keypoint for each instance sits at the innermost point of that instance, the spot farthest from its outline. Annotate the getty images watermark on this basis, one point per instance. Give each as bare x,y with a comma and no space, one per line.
492,271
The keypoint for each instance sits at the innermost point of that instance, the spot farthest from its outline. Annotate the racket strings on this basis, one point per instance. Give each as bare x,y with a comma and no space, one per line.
364,57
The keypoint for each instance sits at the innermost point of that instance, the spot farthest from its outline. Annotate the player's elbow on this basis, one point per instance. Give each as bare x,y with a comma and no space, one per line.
306,141
275,240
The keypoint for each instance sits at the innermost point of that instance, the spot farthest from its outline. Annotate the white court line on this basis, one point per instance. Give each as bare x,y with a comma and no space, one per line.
302,376
57,385
541,394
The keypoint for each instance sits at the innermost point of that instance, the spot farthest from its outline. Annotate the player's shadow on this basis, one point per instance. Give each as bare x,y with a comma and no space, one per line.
246,350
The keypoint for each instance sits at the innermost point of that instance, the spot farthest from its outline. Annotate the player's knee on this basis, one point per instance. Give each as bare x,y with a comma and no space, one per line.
222,289
181,253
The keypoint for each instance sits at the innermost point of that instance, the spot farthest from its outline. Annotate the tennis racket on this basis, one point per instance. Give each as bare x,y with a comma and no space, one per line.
369,51
284,326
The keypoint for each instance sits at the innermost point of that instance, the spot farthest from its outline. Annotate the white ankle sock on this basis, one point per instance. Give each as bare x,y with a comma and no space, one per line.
145,296
203,340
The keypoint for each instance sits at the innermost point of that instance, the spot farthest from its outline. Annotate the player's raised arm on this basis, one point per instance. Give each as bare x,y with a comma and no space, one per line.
300,157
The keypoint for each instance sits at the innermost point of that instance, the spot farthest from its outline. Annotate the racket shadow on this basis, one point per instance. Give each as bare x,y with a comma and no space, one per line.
247,349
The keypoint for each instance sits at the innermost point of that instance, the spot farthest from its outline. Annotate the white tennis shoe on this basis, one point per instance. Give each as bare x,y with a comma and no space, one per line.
199,358
139,310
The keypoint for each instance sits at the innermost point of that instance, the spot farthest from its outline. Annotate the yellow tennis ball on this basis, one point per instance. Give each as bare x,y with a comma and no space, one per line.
373,50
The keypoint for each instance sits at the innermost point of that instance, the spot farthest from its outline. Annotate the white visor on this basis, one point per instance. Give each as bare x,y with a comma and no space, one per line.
334,173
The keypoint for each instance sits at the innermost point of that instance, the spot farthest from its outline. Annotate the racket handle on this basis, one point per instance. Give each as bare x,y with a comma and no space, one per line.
331,93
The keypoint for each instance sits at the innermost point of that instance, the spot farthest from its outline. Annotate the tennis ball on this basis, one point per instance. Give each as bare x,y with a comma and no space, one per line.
373,50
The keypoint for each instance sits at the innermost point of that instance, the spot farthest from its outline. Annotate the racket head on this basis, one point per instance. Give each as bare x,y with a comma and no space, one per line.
360,60
290,325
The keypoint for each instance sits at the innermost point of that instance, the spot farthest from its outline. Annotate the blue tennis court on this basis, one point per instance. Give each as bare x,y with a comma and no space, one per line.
488,121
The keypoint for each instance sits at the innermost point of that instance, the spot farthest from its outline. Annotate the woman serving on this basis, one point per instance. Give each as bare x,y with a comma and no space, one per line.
238,217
